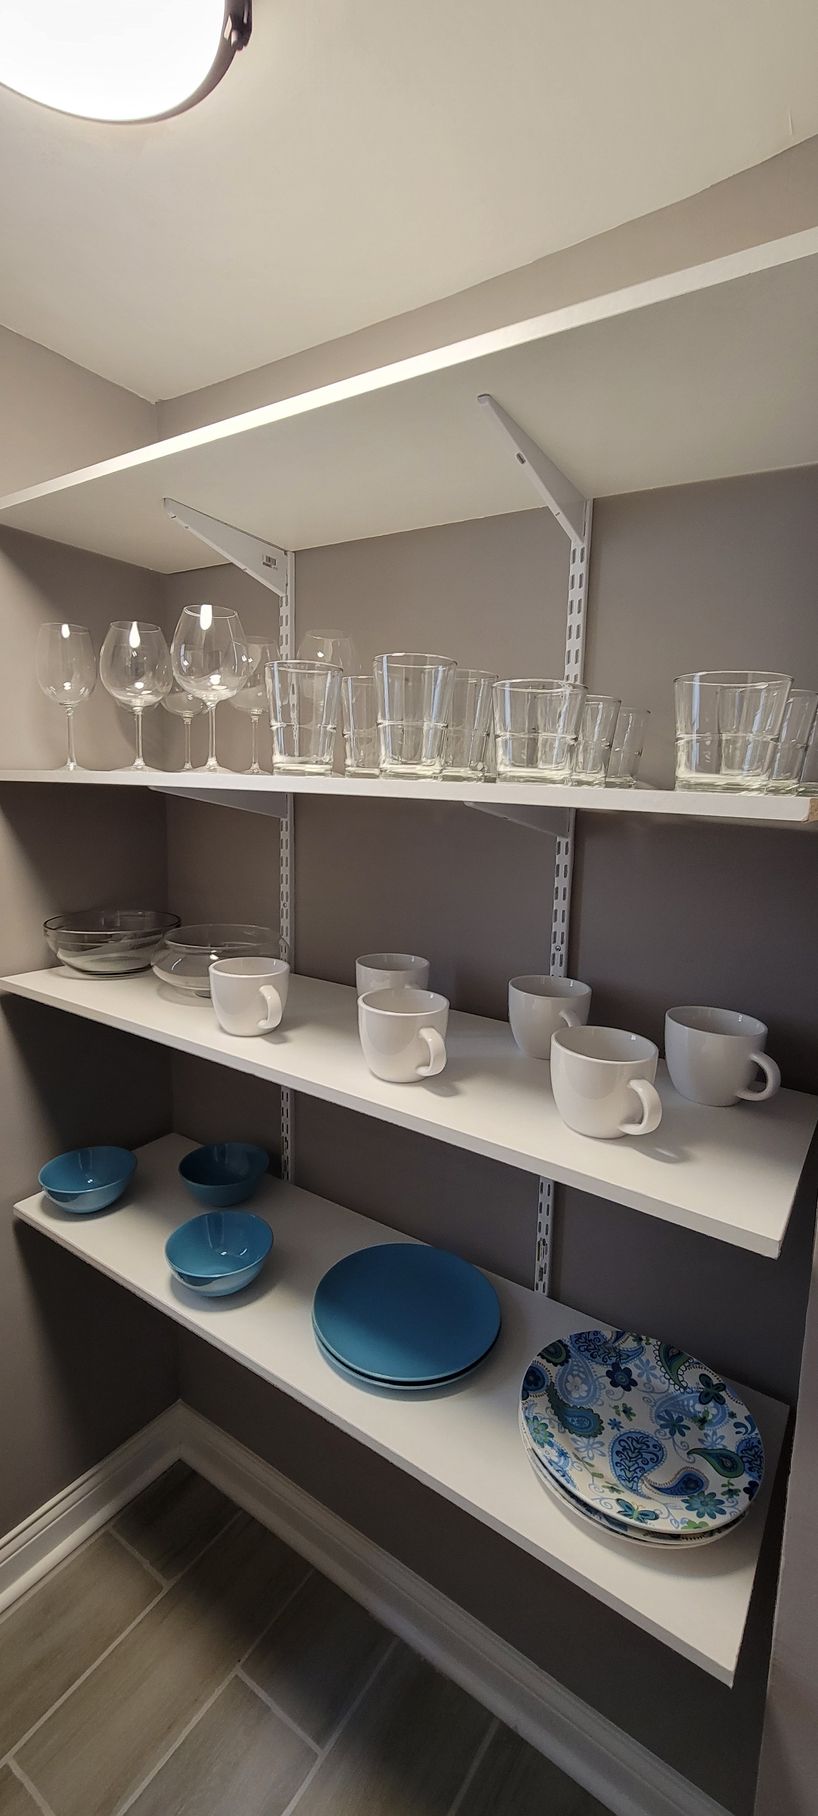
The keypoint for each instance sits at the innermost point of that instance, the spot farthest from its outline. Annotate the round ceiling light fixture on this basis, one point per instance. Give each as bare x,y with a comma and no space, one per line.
119,60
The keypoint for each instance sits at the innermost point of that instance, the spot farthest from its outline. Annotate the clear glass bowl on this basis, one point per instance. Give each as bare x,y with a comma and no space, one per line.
186,954
108,942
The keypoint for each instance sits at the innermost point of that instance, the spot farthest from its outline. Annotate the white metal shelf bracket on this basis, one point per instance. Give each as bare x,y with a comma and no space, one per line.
574,514
263,561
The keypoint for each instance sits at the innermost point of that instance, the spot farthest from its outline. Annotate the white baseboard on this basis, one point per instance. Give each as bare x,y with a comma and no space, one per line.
626,1778
48,1535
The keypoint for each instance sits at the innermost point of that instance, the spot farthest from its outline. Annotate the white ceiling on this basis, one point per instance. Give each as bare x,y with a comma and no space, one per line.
363,157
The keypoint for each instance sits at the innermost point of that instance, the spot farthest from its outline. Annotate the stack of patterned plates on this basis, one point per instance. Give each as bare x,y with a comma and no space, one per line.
404,1317
637,1437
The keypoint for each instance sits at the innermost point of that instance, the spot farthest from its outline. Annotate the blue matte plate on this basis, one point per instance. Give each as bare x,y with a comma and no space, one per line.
406,1314
356,1375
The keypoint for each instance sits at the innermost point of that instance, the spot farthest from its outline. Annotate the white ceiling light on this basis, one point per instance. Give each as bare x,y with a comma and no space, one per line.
119,59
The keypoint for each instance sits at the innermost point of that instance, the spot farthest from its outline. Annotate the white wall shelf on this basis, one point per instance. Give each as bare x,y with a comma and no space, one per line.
699,374
537,799
732,1174
463,1444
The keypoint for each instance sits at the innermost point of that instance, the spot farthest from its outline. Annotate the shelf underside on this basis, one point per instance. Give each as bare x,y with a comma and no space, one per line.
462,1443
699,375
732,1174
534,800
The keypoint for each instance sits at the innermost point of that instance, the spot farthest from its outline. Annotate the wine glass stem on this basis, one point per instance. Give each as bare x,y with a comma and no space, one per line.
211,749
188,762
255,766
71,760
139,761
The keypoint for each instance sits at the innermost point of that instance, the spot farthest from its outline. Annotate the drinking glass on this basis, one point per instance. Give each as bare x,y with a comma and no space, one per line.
209,655
303,698
66,672
793,739
360,718
536,725
626,749
727,726
184,707
596,731
469,722
134,666
252,699
414,694
329,646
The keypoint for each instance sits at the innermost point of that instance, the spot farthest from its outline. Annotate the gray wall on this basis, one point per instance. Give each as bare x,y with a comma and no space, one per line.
83,1364
56,416
679,580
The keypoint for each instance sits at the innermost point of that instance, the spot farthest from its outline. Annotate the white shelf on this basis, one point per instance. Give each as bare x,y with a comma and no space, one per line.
462,1443
731,1174
534,797
699,374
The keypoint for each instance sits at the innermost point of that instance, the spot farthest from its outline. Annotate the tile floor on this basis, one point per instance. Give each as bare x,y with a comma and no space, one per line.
185,1662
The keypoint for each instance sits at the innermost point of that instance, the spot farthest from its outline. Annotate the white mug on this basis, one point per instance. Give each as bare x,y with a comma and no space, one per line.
249,994
403,1033
389,970
539,1005
713,1055
600,1076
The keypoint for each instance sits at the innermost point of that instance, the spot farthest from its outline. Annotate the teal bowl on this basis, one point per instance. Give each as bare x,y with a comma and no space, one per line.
224,1173
87,1179
220,1252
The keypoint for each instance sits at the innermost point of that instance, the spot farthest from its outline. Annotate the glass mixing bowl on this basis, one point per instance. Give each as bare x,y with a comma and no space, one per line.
186,954
108,942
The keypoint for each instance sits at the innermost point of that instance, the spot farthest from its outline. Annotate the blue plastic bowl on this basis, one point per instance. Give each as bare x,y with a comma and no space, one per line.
87,1179
224,1173
219,1253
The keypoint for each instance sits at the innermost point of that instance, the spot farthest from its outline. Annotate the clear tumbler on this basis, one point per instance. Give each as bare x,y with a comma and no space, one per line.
414,696
469,723
596,730
360,715
626,749
727,727
796,730
303,699
536,725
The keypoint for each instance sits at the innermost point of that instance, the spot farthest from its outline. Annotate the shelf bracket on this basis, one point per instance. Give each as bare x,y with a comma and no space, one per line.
554,821
263,561
274,804
554,489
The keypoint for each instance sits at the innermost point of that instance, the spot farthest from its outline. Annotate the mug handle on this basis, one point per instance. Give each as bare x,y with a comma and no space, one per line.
772,1079
569,1017
651,1108
437,1053
274,1009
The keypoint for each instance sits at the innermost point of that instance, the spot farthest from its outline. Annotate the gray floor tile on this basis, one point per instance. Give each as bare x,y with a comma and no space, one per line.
316,1656
58,1631
405,1750
239,1760
14,1798
173,1520
514,1780
116,1726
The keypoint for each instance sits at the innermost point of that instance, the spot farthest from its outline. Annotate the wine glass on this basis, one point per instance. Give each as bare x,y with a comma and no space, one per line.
134,665
329,646
252,700
66,671
183,706
210,660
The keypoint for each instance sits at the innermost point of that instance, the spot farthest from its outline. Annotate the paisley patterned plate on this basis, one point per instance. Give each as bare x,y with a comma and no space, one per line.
641,1433
633,1535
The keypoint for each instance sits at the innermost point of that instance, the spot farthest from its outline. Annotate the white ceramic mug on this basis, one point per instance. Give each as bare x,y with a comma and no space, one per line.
600,1077
403,1033
539,1005
249,994
713,1056
390,970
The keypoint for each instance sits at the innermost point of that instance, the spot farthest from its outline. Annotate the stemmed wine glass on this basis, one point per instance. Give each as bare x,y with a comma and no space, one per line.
66,671
252,700
329,646
134,665
210,660
183,706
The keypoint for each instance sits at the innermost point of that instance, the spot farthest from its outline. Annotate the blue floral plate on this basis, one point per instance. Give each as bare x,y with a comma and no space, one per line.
641,1434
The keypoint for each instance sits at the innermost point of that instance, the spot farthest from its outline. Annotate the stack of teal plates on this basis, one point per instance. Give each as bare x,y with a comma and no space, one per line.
638,1438
404,1317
